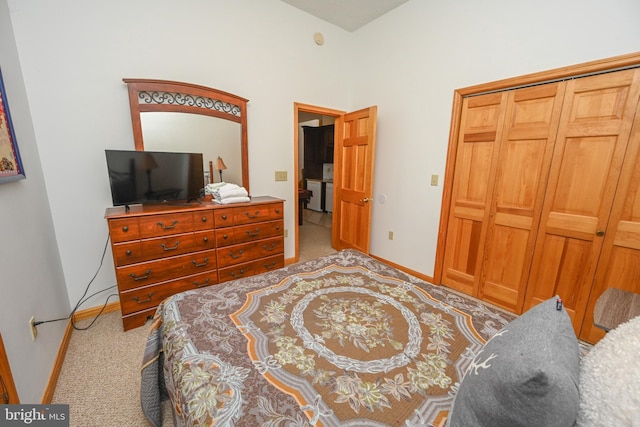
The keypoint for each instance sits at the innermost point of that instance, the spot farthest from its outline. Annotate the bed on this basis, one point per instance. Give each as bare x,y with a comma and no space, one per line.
342,340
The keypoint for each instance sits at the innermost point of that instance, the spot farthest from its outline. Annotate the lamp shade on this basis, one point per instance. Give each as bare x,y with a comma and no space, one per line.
220,164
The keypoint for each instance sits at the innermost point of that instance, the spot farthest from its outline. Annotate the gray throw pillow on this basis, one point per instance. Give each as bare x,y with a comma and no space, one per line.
525,375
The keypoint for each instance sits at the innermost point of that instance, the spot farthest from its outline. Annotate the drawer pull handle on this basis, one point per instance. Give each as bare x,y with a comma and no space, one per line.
277,227
224,216
139,301
273,246
254,233
204,219
277,211
256,215
224,236
270,265
125,228
240,273
170,248
205,239
203,284
168,227
128,253
135,277
204,262
236,256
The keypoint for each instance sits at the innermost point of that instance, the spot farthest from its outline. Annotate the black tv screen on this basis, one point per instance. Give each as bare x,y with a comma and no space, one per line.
154,176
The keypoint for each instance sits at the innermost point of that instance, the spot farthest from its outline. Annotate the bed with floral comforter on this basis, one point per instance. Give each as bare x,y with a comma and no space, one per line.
343,340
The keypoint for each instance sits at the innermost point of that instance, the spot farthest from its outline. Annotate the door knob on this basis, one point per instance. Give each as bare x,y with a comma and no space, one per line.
599,233
365,200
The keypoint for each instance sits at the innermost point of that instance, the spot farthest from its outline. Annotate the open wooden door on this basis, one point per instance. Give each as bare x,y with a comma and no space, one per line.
353,179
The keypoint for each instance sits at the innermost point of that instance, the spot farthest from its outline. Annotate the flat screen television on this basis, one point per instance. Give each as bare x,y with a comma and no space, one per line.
146,177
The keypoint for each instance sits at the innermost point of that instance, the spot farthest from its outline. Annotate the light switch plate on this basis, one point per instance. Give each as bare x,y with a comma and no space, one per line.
434,180
281,175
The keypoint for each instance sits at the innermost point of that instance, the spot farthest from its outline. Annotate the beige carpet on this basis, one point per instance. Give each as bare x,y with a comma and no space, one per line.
100,377
315,235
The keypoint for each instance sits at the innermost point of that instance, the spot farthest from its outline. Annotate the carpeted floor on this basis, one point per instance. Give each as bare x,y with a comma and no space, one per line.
315,235
100,377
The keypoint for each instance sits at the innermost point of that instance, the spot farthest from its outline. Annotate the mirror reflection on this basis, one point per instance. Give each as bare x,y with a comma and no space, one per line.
185,117
211,136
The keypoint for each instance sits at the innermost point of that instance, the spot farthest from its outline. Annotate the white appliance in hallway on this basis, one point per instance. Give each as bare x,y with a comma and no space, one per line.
327,177
315,203
328,203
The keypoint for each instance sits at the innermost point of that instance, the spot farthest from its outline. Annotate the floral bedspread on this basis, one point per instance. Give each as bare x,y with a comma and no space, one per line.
343,340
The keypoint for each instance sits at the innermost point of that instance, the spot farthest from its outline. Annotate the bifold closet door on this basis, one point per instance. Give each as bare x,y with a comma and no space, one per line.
526,149
619,263
481,125
590,148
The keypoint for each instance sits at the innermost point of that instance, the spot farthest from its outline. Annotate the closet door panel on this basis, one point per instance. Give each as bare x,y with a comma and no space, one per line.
480,132
619,264
590,148
526,148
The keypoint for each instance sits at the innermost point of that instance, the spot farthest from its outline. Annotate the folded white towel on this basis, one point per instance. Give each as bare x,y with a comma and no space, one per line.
211,188
229,190
234,192
230,200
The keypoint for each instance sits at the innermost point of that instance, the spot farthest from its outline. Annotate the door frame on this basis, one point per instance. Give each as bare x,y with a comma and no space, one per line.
7,385
578,70
313,109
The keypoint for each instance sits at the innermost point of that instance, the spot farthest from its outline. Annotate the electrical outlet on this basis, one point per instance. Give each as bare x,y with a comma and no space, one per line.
32,328
434,180
281,175
286,233
391,235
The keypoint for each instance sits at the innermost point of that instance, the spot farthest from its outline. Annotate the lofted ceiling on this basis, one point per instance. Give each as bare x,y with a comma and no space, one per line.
347,14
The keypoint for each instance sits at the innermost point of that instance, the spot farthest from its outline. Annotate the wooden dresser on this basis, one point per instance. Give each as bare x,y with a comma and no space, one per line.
161,250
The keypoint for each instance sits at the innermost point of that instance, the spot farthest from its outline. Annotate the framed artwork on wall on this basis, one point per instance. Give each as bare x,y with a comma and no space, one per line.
10,162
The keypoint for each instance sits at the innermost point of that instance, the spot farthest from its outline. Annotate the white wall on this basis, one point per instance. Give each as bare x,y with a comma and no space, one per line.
419,53
31,279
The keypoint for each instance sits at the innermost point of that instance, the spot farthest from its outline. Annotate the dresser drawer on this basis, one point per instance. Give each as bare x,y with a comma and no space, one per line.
249,214
124,229
276,211
162,247
127,253
138,318
250,268
163,225
247,233
150,296
144,274
203,240
237,254
203,220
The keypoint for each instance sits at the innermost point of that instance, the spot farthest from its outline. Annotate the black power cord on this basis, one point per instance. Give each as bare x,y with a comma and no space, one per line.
84,299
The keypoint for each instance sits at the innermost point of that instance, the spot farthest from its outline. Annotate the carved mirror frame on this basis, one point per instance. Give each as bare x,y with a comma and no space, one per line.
147,95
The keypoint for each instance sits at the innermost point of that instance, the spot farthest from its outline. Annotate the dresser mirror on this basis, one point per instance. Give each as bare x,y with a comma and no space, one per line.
175,116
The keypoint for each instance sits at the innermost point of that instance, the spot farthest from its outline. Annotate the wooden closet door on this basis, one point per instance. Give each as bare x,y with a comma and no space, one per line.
526,150
481,125
619,264
590,148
